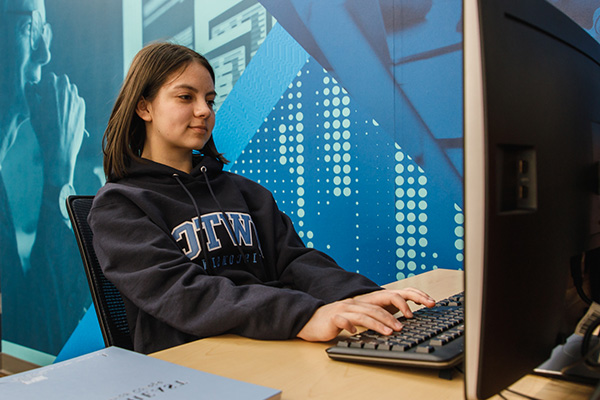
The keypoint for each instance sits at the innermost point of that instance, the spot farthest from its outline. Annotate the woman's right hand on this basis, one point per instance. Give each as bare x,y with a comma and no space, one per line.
329,320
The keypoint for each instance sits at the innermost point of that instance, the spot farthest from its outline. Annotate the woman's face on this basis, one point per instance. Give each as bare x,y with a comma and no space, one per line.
181,117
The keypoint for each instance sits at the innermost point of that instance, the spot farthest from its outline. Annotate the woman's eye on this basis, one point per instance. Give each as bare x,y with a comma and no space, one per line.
185,97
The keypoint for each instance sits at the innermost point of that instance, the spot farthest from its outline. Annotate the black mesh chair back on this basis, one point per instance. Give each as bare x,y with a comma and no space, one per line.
108,302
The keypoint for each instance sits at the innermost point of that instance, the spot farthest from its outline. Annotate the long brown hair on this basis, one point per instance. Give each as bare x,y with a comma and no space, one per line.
125,133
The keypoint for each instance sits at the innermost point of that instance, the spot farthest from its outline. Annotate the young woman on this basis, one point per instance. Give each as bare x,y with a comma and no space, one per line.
196,251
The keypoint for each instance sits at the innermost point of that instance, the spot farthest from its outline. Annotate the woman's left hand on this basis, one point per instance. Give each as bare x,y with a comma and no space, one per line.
396,300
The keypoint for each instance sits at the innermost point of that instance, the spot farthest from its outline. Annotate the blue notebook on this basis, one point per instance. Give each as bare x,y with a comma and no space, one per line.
117,374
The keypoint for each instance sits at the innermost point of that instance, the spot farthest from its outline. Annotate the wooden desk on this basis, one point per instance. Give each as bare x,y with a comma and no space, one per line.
302,370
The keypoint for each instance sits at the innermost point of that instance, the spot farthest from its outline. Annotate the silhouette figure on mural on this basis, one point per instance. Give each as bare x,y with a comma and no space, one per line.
42,282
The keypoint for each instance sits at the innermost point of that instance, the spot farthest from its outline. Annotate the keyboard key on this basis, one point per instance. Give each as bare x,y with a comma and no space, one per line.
400,347
438,341
425,349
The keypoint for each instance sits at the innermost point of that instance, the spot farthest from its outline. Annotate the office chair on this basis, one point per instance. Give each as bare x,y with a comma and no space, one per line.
108,302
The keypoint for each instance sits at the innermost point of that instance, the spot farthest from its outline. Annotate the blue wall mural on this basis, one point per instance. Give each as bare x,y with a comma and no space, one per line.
349,111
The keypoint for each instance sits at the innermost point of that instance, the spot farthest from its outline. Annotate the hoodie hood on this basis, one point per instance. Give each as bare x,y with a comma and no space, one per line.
156,172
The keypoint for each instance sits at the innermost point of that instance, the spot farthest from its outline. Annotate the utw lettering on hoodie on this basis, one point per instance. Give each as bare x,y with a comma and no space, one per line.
238,232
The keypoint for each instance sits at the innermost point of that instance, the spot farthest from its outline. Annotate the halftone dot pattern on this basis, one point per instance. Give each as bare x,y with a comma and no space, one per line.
291,148
337,136
411,216
283,131
276,156
347,186
459,232
279,143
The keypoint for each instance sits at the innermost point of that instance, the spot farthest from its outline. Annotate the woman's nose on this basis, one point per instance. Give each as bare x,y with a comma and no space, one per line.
202,109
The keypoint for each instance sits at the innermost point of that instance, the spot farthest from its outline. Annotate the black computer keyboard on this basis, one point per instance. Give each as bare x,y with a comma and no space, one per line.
433,338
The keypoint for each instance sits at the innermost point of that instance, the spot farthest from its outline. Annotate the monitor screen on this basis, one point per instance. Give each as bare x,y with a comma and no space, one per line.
532,131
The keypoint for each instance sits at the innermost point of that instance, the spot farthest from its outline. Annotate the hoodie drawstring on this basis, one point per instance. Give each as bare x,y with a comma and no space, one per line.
203,238
225,217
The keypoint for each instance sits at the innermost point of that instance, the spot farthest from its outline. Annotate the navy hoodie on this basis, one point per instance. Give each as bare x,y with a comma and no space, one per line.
208,253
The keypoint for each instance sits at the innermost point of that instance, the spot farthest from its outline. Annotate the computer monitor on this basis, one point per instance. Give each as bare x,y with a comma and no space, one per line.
531,147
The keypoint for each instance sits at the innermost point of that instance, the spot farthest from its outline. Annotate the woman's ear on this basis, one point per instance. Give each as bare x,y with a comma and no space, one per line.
142,110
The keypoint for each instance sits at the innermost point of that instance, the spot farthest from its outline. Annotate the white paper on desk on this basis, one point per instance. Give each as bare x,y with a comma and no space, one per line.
117,374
